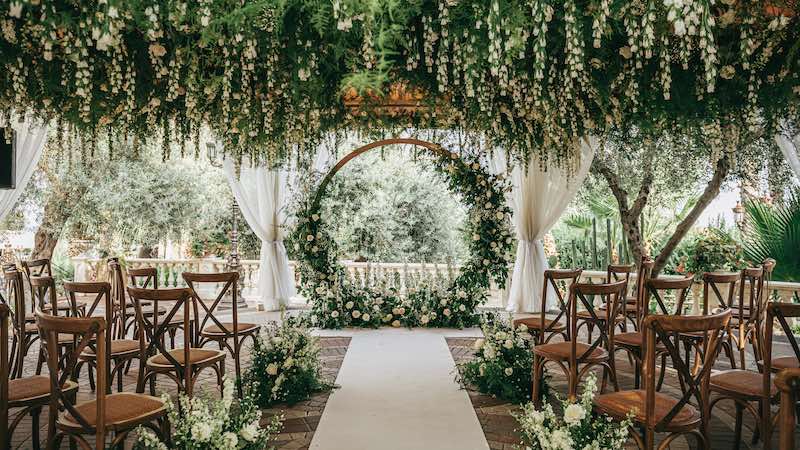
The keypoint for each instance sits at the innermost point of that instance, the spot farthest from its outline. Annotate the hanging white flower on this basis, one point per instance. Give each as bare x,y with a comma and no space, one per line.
509,371
201,431
574,414
272,369
251,431
15,9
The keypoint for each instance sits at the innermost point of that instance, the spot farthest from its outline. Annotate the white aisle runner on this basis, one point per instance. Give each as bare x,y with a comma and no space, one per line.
398,392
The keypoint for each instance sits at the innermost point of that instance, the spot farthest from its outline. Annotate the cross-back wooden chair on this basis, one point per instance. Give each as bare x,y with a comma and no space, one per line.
745,310
108,414
614,273
43,268
43,289
126,318
210,328
781,313
788,382
571,354
721,288
182,365
120,351
28,394
147,278
541,328
25,332
658,412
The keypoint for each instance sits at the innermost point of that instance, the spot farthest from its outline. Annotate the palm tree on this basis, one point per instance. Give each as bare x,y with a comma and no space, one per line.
774,232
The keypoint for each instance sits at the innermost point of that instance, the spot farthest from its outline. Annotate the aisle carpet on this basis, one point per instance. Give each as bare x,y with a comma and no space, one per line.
398,392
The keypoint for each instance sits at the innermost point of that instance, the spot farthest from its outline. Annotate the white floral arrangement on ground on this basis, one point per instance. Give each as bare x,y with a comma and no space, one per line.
286,367
209,423
502,363
578,428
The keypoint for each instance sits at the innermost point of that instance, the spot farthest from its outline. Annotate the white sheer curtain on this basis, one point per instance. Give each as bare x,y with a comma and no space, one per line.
261,194
789,146
538,199
29,138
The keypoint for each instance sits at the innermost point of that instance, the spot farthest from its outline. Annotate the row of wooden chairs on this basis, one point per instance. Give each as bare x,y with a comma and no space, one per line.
737,321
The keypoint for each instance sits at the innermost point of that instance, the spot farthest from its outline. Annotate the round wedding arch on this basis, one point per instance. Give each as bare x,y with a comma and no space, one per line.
338,302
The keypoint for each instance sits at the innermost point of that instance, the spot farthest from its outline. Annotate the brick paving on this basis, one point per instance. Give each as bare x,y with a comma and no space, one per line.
499,425
300,422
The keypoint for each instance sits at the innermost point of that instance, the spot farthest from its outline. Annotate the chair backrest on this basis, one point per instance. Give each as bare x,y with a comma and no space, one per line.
788,382
5,316
43,295
780,312
751,294
642,276
84,330
36,268
620,272
144,277
16,297
560,280
229,282
660,328
612,295
153,327
722,285
661,288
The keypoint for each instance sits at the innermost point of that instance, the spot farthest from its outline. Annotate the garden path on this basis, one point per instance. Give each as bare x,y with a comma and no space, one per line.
398,391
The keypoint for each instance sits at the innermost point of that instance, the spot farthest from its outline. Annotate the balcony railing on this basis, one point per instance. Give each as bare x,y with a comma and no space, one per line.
401,275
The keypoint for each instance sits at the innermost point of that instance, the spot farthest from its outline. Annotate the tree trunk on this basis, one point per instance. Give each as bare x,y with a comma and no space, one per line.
45,241
709,193
145,251
633,235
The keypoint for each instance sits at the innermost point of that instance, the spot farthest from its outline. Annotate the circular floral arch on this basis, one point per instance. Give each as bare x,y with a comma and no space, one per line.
338,302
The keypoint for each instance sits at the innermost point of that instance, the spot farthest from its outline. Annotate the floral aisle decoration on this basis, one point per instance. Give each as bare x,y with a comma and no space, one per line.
502,363
338,302
211,423
286,367
269,78
577,428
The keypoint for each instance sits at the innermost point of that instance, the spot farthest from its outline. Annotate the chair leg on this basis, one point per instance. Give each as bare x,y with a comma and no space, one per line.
238,368
90,372
35,413
535,377
663,372
737,431
40,362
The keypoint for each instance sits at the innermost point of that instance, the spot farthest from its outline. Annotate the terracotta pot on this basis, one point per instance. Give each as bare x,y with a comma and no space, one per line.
786,9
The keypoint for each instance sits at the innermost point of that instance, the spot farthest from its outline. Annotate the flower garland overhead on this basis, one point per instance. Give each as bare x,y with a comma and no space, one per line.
269,77
338,303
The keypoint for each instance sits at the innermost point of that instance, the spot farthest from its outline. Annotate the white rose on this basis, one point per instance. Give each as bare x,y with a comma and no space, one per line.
509,371
250,431
424,319
476,166
315,217
462,294
500,335
272,369
476,237
356,314
230,440
365,317
349,305
574,414
388,318
462,308
402,310
443,301
201,432
500,215
446,312
396,324
288,363
522,328
509,344
488,352
396,311
335,314
478,344
310,237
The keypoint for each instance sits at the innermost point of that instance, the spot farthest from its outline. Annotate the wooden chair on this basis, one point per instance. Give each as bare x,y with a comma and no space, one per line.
657,412
182,365
126,317
571,354
723,287
780,312
25,333
44,296
541,328
745,314
614,273
43,268
788,382
211,329
108,414
31,394
120,351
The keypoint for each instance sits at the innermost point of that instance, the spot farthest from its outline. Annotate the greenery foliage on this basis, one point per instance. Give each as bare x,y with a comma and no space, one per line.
773,231
336,303
212,423
502,363
286,366
269,76
712,249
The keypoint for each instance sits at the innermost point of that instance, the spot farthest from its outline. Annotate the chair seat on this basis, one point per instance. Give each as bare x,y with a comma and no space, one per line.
63,338
783,362
214,330
147,310
37,387
620,404
123,410
634,339
118,347
601,315
535,323
740,383
560,351
196,356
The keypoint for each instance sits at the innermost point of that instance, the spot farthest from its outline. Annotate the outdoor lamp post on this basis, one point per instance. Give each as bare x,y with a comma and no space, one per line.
738,214
234,263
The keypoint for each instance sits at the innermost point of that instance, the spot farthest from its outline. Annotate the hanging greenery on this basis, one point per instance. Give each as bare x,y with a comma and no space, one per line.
338,302
271,77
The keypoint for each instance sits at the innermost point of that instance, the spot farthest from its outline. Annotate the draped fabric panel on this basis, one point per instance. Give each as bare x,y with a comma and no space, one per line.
261,193
789,146
30,138
538,199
